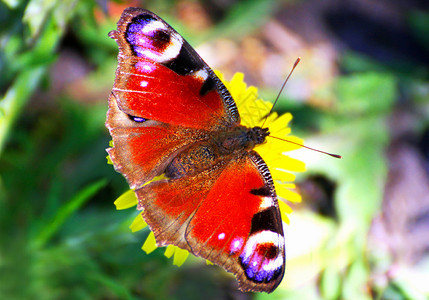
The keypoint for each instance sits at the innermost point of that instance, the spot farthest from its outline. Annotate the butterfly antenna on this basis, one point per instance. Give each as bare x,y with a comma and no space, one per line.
281,90
271,110
317,150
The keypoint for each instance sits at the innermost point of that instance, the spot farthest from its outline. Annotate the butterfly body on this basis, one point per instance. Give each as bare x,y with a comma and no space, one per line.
170,115
219,146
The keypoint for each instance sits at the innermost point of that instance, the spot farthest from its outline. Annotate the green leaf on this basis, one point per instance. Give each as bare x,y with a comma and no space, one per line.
36,14
12,4
244,17
330,284
355,283
365,93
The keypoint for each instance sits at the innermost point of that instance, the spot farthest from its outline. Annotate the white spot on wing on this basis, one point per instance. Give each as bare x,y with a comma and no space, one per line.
145,67
236,245
201,74
153,26
221,236
266,203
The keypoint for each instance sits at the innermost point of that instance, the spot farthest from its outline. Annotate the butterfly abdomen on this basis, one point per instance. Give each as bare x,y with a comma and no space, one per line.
219,148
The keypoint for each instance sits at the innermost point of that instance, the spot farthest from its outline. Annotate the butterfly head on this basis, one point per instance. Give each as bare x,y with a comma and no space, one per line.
241,138
258,135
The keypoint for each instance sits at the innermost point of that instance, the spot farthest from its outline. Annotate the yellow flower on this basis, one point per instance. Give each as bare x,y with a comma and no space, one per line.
252,111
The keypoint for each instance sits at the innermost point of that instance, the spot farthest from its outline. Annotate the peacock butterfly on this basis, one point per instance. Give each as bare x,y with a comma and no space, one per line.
170,115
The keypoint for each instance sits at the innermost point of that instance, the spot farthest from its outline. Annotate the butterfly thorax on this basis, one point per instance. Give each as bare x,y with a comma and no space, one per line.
219,148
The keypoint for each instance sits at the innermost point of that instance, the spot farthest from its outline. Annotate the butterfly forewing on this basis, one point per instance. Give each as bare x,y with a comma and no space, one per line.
142,150
161,77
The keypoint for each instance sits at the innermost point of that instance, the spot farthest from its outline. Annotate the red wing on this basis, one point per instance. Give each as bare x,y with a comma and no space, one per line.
160,76
142,150
164,97
228,215
169,205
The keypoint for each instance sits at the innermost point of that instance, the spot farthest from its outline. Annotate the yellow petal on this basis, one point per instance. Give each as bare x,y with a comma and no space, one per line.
287,185
284,207
281,122
284,211
180,257
169,251
138,223
286,193
293,164
283,162
237,86
150,243
126,200
281,175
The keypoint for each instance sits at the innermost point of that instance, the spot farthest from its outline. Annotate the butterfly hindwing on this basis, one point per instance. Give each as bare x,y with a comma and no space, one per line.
228,215
240,224
169,205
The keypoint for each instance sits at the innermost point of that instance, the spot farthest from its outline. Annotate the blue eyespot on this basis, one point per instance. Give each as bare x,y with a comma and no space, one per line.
137,119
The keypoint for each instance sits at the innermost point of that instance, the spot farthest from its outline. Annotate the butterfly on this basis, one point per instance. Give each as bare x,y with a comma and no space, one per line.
170,115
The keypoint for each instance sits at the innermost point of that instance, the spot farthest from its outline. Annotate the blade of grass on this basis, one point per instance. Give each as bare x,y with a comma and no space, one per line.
66,210
115,287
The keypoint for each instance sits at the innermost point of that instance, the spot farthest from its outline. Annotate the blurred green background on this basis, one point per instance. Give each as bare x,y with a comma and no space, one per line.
361,90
